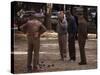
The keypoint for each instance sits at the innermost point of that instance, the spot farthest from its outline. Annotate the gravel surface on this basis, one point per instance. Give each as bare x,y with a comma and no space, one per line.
49,54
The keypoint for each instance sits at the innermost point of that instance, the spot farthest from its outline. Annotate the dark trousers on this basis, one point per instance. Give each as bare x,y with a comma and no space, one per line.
71,46
82,41
33,45
62,38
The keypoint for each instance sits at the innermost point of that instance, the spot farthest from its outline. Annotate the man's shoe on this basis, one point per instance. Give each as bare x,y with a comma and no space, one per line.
29,70
35,70
71,61
82,63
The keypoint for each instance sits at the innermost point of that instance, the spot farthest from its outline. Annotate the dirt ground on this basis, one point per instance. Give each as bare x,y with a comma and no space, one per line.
49,54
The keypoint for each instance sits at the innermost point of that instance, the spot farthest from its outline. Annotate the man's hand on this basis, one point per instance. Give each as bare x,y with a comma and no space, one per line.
42,29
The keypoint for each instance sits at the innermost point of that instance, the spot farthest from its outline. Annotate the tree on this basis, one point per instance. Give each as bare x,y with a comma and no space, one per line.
48,16
85,12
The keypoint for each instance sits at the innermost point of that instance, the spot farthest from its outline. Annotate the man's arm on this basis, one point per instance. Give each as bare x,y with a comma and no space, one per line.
42,29
24,28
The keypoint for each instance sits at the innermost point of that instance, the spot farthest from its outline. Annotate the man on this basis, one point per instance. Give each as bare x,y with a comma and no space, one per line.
33,28
62,35
76,20
82,35
72,28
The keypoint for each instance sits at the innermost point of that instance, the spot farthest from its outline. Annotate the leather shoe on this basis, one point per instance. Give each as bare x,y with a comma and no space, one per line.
82,63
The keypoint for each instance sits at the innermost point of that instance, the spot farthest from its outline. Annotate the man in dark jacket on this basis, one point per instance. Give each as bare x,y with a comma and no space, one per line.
33,28
72,28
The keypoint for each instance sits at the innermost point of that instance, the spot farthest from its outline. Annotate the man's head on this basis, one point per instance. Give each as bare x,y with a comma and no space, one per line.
31,17
80,14
61,15
68,13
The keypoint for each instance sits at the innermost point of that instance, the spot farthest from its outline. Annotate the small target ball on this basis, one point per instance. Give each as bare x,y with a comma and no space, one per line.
52,65
48,66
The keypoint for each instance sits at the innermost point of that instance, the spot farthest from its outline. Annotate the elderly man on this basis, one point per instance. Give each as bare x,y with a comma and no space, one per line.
82,35
33,28
62,35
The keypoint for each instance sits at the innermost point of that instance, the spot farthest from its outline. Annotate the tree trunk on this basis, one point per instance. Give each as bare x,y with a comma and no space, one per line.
48,16
85,12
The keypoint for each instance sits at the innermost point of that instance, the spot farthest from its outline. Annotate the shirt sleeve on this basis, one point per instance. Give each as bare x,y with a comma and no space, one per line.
65,24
